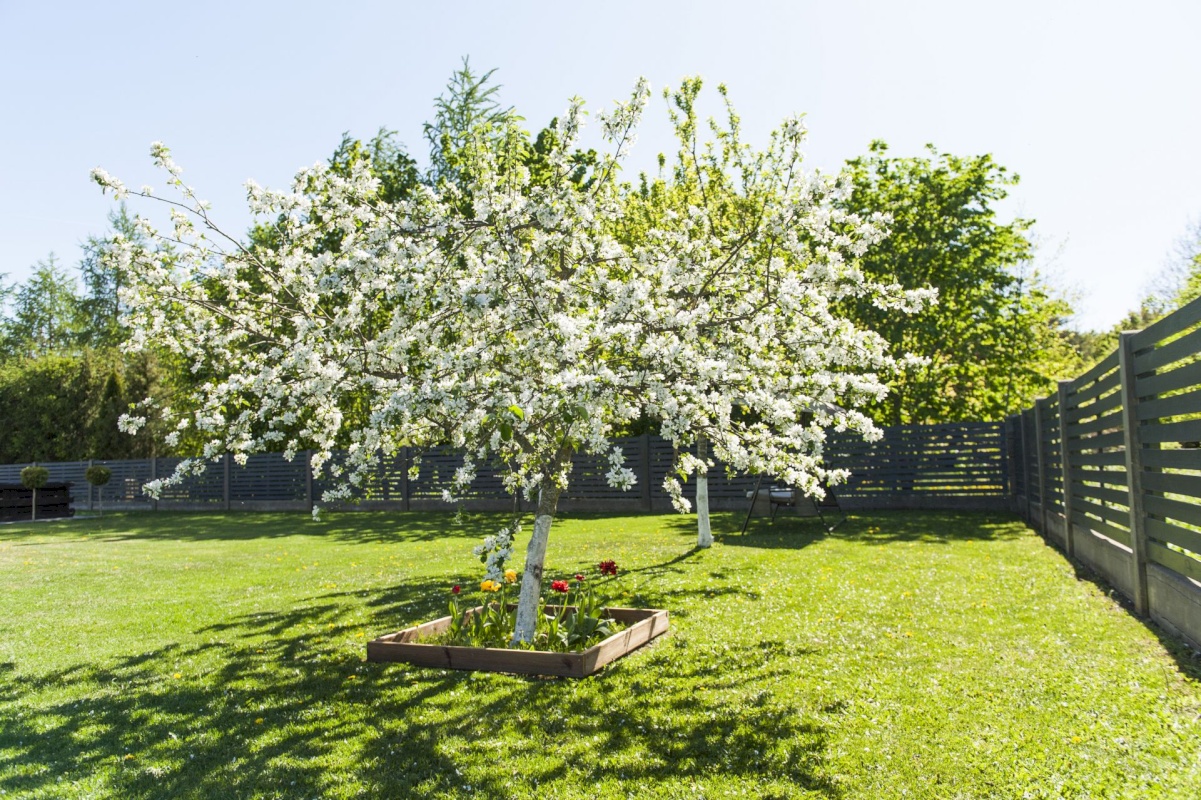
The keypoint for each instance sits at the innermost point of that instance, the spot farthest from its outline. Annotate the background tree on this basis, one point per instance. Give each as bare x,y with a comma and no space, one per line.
45,313
995,338
99,309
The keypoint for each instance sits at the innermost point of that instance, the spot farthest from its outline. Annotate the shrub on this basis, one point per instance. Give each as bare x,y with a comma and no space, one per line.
34,477
98,475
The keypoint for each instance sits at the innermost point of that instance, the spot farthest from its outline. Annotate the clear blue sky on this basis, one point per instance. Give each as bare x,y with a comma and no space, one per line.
1094,104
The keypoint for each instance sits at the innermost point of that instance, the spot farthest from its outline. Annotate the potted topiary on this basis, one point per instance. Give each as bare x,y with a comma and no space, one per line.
34,478
98,476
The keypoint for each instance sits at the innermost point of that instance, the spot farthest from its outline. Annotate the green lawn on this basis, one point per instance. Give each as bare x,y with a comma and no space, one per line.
906,655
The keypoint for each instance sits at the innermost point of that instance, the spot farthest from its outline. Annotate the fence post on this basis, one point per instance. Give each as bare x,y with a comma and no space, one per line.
308,479
405,463
645,469
90,464
1067,470
1042,465
1134,471
225,481
1025,463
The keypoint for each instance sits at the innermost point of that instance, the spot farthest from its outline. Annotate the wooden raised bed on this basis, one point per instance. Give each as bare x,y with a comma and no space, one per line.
643,624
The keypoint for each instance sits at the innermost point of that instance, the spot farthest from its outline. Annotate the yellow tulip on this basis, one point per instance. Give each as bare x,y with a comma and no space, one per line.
510,576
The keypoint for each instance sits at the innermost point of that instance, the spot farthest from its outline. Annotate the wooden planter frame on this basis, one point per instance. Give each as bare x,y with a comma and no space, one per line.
644,624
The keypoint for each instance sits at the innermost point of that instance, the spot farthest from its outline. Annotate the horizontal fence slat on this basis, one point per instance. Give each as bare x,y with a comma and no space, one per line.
1188,513
1095,493
1179,378
1189,431
1172,459
1162,531
1165,354
1173,560
1181,319
1173,483
1099,459
1102,527
1174,406
1110,362
1076,405
1107,422
1110,439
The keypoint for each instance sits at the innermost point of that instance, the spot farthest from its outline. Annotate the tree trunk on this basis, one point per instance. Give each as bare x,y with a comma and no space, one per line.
531,580
34,508
704,536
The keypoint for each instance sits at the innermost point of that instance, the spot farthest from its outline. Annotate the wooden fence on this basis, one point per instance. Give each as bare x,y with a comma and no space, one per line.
919,466
1109,469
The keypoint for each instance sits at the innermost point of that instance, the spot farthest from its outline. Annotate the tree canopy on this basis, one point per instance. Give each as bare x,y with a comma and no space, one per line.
995,338
528,324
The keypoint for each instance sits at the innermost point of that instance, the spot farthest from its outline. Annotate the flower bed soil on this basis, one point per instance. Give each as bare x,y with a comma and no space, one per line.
642,625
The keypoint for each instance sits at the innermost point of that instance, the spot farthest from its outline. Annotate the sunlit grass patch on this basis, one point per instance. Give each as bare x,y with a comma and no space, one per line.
907,654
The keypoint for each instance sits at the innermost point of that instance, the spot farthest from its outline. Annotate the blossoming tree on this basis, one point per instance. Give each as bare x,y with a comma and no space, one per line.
522,320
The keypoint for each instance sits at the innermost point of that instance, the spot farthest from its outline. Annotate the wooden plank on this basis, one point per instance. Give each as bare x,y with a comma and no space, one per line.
1179,510
1112,438
1097,407
1164,354
1108,473
1090,375
1109,422
1093,391
1177,562
1163,531
1174,483
1095,493
1173,459
1180,378
1102,527
1174,406
1116,516
1100,459
1189,431
1179,320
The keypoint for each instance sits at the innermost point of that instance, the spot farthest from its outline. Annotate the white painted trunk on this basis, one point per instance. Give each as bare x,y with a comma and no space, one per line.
531,579
704,535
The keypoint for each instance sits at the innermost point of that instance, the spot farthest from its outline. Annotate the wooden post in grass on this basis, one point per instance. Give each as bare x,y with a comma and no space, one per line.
1042,466
1134,471
1065,463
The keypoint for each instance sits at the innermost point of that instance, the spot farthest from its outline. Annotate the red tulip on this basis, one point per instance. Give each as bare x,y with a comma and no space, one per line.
608,567
456,588
559,586
579,577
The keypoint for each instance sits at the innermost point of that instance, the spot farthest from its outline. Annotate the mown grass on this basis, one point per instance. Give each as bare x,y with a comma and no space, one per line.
906,655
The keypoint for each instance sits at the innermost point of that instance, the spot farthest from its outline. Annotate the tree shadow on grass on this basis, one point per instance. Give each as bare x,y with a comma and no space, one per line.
281,704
